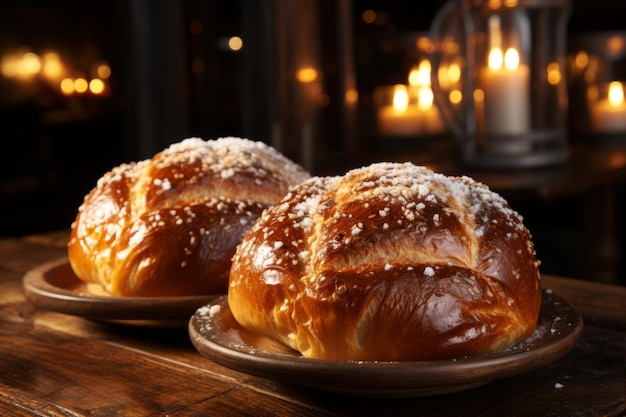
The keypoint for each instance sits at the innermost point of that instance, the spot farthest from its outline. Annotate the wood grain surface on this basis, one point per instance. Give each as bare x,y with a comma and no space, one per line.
55,364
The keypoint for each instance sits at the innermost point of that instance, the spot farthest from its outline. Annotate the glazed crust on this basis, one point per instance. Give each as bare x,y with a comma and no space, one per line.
168,226
388,262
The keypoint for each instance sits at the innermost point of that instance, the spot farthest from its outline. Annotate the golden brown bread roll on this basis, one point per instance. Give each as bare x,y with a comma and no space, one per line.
390,262
168,226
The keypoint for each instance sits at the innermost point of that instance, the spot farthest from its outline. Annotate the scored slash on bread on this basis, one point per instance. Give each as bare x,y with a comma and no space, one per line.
388,262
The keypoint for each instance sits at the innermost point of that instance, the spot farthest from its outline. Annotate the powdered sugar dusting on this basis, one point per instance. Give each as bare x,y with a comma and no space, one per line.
230,156
405,191
371,233
196,192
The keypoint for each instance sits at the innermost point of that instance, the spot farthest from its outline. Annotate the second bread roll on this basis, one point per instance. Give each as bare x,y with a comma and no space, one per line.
169,225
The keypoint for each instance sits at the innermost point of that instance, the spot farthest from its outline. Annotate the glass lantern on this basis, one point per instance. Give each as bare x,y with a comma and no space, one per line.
509,107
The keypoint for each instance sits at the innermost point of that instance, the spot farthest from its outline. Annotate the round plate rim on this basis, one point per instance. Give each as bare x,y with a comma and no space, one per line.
40,290
391,379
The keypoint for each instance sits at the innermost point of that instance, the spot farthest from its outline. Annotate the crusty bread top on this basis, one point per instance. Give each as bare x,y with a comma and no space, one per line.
388,262
169,225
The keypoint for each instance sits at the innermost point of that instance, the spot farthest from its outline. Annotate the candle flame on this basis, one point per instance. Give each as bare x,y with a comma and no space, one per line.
425,98
420,76
616,94
495,58
497,4
400,98
423,73
510,59
414,77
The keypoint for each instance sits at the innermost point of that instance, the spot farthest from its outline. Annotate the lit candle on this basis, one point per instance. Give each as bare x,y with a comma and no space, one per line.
609,114
399,119
507,94
412,112
419,80
431,122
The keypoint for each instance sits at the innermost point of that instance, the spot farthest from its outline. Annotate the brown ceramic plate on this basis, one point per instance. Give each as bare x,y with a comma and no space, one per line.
216,335
54,286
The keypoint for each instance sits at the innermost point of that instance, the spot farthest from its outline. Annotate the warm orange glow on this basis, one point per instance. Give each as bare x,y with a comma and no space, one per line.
306,75
510,59
369,16
495,59
425,98
424,43
454,72
414,77
352,96
554,73
52,66
400,98
235,43
80,85
423,72
497,4
96,86
31,64
616,94
615,45
590,73
103,70
450,46
67,86
420,76
592,93
581,60
617,160
23,64
456,96
609,114
479,95
9,66
449,75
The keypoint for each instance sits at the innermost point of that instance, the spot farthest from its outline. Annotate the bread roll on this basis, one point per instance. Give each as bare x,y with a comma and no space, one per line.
390,262
168,226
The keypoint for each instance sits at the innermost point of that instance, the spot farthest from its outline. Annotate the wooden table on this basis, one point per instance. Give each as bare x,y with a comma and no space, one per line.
53,364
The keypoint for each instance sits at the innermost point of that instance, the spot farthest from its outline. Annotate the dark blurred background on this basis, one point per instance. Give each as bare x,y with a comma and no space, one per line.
139,75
